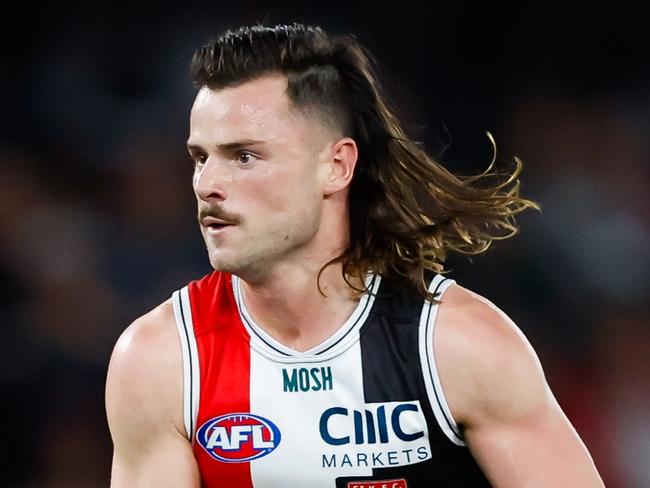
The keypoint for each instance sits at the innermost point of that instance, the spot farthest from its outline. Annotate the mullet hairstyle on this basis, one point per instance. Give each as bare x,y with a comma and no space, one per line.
406,210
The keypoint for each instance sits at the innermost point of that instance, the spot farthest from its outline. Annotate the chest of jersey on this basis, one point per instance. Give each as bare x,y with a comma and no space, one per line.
353,412
308,424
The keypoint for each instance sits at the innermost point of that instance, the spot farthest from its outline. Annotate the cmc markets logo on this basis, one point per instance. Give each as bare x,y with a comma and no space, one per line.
373,425
238,437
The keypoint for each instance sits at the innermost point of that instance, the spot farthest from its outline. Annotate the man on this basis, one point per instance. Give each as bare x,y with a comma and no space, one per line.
309,358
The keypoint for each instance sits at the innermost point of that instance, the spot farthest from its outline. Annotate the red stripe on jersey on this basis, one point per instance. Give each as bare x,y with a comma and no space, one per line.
225,371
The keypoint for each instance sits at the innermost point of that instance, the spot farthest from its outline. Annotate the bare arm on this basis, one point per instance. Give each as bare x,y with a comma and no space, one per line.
512,423
144,407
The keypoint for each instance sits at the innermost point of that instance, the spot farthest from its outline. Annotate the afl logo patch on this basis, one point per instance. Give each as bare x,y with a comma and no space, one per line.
238,437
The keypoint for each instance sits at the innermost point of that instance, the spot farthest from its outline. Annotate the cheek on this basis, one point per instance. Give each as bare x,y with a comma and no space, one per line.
275,190
269,201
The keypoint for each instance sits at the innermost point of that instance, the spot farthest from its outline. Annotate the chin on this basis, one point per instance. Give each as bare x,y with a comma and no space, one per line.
222,265
220,261
245,267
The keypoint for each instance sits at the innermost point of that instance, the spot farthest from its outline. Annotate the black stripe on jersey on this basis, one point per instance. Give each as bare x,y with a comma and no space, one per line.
189,360
429,351
392,372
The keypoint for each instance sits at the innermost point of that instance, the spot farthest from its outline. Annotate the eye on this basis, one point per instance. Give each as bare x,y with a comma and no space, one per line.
245,157
199,159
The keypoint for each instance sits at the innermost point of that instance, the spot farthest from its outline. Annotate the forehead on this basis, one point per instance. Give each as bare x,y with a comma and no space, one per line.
256,108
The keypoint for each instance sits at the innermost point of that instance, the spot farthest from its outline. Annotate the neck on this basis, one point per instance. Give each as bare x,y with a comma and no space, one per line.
289,306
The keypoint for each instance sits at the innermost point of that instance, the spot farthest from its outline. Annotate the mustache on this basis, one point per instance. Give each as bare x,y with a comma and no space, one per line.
217,213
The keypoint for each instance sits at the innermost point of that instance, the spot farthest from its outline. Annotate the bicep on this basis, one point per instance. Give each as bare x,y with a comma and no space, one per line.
538,448
511,422
164,461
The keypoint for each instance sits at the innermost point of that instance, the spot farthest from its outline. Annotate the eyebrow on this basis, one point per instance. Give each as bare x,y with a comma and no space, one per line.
229,146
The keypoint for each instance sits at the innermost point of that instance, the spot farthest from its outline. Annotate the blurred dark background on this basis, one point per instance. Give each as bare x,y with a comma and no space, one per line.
97,221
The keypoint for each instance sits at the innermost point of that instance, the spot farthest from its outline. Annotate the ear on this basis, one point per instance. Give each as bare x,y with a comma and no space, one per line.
341,165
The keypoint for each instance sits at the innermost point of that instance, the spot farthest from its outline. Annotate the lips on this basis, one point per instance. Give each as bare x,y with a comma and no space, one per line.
214,225
213,221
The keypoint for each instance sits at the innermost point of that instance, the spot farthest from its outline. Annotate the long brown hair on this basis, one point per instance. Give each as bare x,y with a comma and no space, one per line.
406,210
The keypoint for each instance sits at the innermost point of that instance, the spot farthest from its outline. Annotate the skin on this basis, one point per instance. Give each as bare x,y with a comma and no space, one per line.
286,196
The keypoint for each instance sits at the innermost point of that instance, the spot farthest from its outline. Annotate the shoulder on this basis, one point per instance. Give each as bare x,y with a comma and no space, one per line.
144,379
152,337
487,366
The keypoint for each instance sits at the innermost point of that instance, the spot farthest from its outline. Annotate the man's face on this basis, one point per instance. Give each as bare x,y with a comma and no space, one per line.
260,168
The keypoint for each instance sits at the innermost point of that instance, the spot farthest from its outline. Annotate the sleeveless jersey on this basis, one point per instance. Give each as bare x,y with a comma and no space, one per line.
363,409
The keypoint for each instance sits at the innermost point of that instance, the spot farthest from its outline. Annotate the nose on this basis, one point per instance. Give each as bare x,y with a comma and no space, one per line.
210,180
